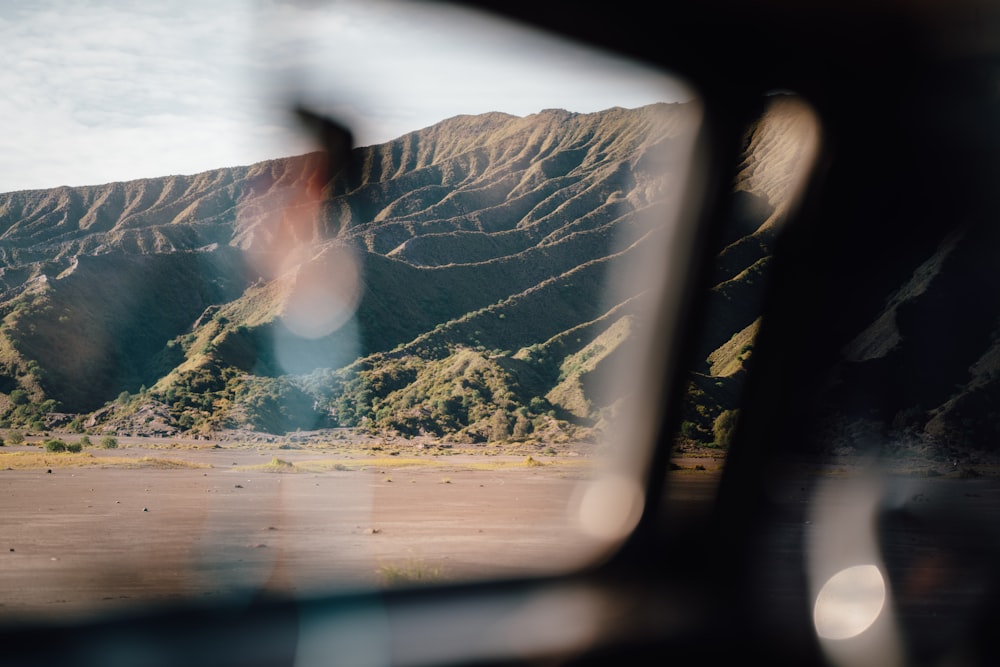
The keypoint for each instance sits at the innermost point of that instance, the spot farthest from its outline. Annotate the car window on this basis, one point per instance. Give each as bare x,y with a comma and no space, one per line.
778,154
405,351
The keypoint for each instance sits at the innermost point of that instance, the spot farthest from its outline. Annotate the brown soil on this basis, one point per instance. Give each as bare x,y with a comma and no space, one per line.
105,535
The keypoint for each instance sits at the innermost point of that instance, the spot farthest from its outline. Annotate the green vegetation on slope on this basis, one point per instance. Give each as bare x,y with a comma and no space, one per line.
484,244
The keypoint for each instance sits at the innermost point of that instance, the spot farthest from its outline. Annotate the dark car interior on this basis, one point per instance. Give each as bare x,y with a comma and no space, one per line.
907,100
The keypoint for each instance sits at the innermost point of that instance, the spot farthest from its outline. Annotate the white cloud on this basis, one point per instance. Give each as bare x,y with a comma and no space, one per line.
112,90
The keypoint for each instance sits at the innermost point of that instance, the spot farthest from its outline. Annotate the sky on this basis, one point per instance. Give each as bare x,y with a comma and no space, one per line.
96,91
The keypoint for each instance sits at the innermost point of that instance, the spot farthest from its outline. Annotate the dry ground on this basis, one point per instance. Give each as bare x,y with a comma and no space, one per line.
105,529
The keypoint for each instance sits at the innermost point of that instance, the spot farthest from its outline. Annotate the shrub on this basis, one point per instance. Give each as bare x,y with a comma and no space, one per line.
109,442
74,447
724,427
85,441
15,438
55,445
690,430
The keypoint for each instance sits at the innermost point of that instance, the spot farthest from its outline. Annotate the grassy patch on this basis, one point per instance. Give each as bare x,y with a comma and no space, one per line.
528,462
324,465
412,572
274,465
32,460
361,464
694,467
36,460
149,462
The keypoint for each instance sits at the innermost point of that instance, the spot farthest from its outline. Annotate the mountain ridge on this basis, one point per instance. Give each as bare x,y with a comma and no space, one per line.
475,217
452,283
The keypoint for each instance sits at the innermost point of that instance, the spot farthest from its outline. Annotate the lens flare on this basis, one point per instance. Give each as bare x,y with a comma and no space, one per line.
610,507
324,294
849,602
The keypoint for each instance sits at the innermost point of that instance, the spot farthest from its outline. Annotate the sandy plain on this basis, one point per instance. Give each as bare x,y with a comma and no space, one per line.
154,522
114,530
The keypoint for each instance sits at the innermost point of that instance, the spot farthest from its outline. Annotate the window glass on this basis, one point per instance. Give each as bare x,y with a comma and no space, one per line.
876,460
395,338
780,148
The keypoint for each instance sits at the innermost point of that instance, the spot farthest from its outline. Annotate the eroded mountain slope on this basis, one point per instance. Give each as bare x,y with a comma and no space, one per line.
480,236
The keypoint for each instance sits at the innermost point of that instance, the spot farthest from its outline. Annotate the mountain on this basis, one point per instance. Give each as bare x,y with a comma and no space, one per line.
455,282
778,152
451,282
922,372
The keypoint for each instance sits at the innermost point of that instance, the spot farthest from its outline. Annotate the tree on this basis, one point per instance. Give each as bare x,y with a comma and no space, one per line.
522,425
499,427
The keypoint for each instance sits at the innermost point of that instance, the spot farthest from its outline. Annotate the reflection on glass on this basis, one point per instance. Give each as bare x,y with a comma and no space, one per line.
780,149
849,602
611,506
853,611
